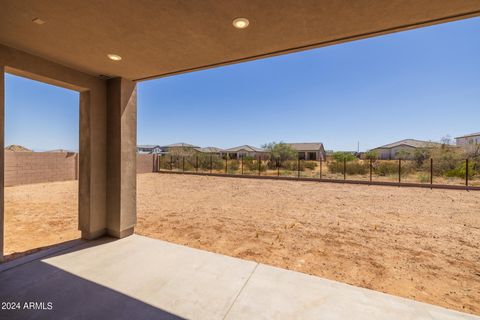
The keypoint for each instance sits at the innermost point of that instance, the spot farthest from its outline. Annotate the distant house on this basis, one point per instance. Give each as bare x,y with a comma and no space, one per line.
244,151
469,142
149,149
309,150
403,148
211,150
180,145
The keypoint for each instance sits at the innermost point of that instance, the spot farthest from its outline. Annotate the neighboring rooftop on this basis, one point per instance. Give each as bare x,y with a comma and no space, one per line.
210,150
409,142
245,147
306,145
180,145
469,135
17,148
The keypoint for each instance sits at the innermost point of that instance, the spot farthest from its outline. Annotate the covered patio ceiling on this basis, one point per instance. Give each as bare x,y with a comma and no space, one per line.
163,37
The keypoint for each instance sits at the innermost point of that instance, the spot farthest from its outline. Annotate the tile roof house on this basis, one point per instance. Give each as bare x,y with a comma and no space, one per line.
244,151
469,142
309,150
405,147
149,149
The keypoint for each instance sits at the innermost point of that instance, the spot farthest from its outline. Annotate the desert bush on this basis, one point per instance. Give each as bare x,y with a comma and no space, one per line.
352,168
384,168
423,177
292,165
461,170
250,164
233,165
311,165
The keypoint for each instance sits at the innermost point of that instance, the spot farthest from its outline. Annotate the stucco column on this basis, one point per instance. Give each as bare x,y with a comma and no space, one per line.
121,157
2,155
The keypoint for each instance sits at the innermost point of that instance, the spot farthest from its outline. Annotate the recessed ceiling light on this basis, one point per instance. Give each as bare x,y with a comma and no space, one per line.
241,23
38,21
114,57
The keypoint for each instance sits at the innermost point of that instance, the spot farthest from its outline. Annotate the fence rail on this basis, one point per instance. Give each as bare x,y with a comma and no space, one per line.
452,174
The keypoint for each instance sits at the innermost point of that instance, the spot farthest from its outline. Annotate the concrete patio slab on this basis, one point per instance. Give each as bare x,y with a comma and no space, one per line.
142,278
274,293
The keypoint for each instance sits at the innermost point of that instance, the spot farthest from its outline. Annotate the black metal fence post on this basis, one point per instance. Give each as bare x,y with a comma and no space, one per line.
160,163
226,165
344,169
371,169
321,162
171,163
466,172
241,162
196,163
399,170
211,163
298,167
278,167
183,164
431,171
259,164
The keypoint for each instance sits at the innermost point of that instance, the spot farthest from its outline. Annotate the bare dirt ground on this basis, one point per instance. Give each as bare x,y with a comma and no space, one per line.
417,243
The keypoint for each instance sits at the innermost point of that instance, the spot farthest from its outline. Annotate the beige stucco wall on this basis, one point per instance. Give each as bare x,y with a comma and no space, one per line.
37,167
391,153
145,163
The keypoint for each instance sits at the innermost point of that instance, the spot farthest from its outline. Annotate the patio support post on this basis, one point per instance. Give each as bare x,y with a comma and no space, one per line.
121,157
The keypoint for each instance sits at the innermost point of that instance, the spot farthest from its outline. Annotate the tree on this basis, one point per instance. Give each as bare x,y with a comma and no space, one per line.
341,156
280,151
420,155
371,155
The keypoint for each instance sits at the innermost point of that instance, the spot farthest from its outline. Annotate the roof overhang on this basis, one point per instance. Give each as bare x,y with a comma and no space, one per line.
160,38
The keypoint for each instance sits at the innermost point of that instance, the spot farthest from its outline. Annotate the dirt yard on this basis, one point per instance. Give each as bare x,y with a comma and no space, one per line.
417,243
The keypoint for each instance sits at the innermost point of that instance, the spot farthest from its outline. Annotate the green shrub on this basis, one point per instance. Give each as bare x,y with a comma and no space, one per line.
341,156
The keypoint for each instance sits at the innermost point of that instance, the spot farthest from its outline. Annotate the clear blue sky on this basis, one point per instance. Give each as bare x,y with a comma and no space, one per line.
422,84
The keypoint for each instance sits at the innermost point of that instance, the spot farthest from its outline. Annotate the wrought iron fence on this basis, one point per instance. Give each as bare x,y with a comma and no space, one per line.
433,172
